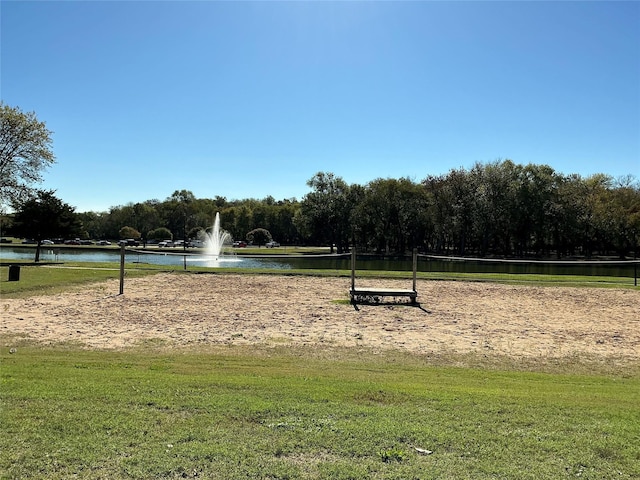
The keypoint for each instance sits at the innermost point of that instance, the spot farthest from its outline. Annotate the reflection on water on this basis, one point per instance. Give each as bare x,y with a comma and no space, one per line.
326,262
426,264
156,258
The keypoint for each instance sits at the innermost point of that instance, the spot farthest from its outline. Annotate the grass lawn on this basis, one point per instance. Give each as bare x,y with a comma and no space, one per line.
58,278
235,414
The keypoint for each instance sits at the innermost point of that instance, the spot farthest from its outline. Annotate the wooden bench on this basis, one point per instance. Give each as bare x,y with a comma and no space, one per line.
376,295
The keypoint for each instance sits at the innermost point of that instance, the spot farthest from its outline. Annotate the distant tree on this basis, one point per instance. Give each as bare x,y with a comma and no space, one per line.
536,199
145,218
492,189
129,232
284,229
6,221
617,215
44,216
93,224
243,221
326,211
25,151
259,236
161,233
390,215
182,213
196,233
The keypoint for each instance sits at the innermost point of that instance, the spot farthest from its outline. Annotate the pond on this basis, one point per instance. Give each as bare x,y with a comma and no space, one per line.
427,263
328,262
49,254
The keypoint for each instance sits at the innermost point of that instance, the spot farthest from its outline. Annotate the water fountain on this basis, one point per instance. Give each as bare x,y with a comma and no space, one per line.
217,239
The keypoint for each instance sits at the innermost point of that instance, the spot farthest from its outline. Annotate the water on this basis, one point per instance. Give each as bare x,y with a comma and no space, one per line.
156,258
426,264
327,262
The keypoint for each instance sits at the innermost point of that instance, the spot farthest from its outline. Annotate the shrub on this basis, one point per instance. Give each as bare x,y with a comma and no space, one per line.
259,236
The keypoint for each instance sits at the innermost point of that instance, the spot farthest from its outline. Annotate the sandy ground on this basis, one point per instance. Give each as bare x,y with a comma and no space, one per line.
185,310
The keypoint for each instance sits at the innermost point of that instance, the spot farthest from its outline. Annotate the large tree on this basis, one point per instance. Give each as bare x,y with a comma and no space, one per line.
25,151
325,212
44,216
181,213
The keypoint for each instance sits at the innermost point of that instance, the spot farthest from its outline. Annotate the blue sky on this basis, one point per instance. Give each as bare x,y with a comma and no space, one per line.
250,99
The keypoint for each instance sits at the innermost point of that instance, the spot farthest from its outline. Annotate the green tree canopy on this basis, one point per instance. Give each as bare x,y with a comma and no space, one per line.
494,209
25,151
45,216
326,211
259,236
161,233
129,232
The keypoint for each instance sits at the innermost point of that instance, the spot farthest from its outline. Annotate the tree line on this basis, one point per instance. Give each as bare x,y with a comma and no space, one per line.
493,209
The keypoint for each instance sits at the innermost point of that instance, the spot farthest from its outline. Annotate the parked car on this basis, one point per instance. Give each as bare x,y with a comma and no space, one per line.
165,244
75,241
104,242
129,242
239,244
272,244
47,242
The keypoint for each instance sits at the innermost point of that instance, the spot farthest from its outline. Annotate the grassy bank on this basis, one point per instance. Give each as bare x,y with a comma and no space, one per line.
235,414
51,279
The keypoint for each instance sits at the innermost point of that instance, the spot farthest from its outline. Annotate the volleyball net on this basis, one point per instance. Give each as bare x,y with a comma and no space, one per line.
588,268
426,263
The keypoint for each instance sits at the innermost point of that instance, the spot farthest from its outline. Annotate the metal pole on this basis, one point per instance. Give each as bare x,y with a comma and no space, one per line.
121,269
353,268
415,267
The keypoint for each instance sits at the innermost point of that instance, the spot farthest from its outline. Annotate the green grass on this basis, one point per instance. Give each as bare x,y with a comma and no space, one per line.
255,413
236,414
46,280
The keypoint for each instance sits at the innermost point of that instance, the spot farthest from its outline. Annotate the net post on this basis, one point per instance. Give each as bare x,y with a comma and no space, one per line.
415,267
121,269
353,268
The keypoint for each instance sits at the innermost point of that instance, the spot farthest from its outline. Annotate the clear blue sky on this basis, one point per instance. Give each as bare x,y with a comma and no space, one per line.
249,99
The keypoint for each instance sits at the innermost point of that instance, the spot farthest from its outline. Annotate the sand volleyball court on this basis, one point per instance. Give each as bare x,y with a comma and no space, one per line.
199,309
